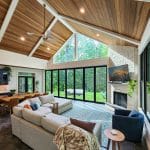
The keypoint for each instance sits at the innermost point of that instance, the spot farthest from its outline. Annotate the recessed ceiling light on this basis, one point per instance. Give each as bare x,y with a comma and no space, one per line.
48,48
22,38
82,10
97,35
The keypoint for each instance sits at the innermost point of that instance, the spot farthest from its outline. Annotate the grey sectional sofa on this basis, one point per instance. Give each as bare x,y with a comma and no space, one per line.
37,128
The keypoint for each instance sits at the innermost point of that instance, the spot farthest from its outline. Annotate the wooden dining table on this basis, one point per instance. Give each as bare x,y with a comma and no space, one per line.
16,96
12,101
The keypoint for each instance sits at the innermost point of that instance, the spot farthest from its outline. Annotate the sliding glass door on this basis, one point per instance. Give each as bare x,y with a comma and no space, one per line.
79,84
85,84
62,85
25,84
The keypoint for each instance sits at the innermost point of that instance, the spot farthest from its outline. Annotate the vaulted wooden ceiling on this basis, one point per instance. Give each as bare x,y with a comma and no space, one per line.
124,17
29,17
127,17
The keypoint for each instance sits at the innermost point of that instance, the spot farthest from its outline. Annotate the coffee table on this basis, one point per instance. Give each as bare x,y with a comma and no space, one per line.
116,139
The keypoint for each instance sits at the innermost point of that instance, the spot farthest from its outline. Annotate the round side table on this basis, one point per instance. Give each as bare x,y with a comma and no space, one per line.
116,139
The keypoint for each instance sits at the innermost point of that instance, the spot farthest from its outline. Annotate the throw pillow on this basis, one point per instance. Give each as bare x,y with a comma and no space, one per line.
35,100
47,98
88,126
134,113
27,106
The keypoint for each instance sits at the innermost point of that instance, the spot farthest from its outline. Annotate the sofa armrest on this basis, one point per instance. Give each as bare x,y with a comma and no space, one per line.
122,112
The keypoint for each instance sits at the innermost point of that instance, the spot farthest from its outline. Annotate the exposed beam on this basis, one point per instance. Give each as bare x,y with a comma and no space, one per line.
8,17
143,0
145,38
41,39
102,30
55,13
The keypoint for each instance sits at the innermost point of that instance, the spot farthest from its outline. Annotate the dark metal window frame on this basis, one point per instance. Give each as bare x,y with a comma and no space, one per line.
74,77
143,70
26,82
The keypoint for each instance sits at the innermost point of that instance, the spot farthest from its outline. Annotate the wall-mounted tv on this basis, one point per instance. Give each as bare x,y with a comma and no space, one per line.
119,73
3,77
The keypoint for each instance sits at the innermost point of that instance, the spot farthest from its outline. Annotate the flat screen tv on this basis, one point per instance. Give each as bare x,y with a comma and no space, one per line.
119,73
3,77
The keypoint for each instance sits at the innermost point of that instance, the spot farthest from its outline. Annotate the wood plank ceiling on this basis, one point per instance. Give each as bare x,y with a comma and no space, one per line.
59,34
4,5
29,17
127,17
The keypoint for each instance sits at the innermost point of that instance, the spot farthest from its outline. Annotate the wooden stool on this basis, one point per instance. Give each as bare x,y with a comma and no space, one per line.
116,139
55,108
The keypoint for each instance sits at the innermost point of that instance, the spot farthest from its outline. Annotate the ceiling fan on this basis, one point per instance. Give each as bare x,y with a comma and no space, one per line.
45,36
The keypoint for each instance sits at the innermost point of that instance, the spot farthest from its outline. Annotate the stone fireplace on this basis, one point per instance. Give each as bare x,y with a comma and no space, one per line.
118,92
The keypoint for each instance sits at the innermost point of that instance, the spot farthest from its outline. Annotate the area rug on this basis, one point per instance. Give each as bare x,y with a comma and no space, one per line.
91,112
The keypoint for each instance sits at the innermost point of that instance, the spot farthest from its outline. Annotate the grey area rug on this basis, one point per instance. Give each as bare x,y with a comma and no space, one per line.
92,112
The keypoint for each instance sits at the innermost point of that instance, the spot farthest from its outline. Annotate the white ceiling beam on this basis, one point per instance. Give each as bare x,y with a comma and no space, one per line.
102,30
143,0
55,13
8,17
145,38
41,39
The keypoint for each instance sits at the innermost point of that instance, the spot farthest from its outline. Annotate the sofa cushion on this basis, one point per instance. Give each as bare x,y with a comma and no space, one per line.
62,102
35,100
52,122
17,111
48,105
88,126
24,103
44,110
32,116
47,98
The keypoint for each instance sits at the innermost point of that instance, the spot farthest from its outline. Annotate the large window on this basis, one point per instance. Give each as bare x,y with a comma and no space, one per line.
62,83
90,49
66,53
86,48
86,84
145,81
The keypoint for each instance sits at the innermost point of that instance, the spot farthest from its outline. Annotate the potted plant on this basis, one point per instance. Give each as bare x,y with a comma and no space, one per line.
132,84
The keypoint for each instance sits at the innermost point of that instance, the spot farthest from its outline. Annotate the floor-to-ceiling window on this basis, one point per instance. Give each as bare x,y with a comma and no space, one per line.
86,84
145,81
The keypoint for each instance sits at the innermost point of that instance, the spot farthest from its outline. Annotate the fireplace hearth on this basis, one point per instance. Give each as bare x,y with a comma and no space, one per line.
120,99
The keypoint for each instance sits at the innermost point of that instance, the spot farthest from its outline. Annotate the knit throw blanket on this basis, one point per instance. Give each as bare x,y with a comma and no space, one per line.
70,137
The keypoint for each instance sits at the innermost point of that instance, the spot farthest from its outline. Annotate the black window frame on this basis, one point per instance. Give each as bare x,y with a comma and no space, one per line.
143,80
74,76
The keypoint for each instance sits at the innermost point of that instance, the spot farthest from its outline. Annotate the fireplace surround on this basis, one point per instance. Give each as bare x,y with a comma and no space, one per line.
120,99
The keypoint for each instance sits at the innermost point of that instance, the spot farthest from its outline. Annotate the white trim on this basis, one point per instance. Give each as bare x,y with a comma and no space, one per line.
55,13
8,17
145,38
41,39
100,29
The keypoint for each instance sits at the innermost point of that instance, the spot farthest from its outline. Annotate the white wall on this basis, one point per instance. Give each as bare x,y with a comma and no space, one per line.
75,64
15,59
39,75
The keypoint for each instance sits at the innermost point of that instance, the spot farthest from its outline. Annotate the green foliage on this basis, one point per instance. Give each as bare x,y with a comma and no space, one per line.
131,87
87,48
